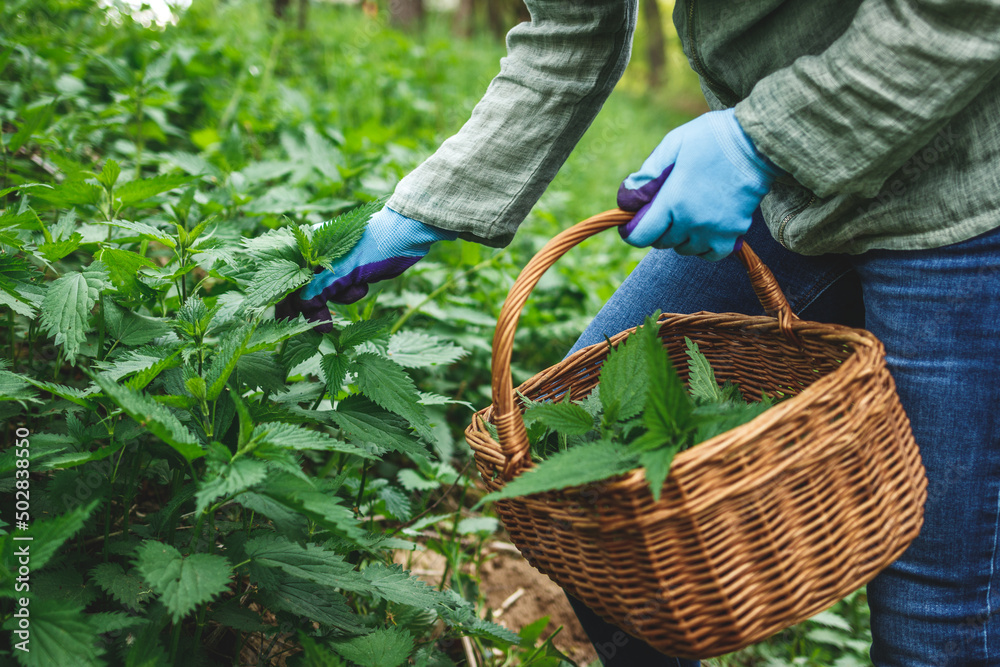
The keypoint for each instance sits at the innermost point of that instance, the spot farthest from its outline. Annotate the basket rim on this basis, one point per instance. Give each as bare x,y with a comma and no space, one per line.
866,351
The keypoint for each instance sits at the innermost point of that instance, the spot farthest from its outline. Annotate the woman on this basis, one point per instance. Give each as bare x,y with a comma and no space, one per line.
855,144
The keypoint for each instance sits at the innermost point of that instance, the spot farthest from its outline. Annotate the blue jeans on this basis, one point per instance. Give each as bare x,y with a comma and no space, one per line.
938,314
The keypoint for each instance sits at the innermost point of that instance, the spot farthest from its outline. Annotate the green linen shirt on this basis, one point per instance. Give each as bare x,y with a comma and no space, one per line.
883,114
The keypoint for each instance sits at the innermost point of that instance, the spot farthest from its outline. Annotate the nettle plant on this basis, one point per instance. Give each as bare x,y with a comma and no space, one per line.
641,414
203,476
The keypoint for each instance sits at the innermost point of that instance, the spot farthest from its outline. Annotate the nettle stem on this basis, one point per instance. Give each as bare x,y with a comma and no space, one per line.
200,624
100,329
361,488
6,167
107,529
139,139
10,336
175,640
193,546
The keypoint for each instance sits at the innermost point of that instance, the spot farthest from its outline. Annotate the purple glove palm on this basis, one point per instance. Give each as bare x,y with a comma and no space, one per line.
391,244
697,190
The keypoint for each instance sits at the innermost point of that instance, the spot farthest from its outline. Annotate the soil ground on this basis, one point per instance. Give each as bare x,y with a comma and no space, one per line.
518,594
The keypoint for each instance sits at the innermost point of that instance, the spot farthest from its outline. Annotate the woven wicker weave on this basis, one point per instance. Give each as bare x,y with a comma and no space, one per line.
758,528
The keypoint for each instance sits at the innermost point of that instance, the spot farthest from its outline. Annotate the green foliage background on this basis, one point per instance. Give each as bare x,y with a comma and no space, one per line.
207,483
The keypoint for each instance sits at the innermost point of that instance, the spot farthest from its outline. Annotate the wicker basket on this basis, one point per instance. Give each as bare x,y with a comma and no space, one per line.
758,528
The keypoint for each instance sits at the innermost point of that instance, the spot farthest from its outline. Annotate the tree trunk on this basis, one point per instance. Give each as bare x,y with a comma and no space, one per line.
280,6
655,47
465,18
406,13
303,14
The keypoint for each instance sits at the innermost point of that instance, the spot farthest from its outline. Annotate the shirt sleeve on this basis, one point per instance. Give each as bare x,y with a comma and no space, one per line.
559,70
843,121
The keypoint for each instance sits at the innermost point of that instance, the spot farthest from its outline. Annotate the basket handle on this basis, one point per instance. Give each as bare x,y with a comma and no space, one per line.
510,426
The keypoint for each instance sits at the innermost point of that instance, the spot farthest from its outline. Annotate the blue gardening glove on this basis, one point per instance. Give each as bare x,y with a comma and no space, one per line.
696,192
391,244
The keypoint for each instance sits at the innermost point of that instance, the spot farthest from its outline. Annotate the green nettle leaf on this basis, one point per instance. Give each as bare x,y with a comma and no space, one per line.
182,583
271,332
310,562
669,407
393,583
23,187
60,635
113,621
292,436
134,192
657,464
413,481
273,245
65,584
335,368
134,361
11,219
302,241
11,239
71,394
387,384
260,370
492,631
300,495
213,249
67,305
364,421
300,348
285,520
582,464
193,317
314,655
713,420
123,268
238,476
21,288
14,387
396,502
565,418
128,327
156,417
336,238
224,362
50,534
305,598
245,419
624,380
275,278
461,613
701,378
146,650
53,251
385,647
126,587
23,299
196,386
411,349
238,618
109,174
356,333
71,193
143,230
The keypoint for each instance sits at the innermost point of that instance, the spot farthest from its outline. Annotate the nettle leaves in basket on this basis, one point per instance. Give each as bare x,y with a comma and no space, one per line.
640,415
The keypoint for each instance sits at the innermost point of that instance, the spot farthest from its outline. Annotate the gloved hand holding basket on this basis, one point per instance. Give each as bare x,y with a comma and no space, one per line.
756,529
